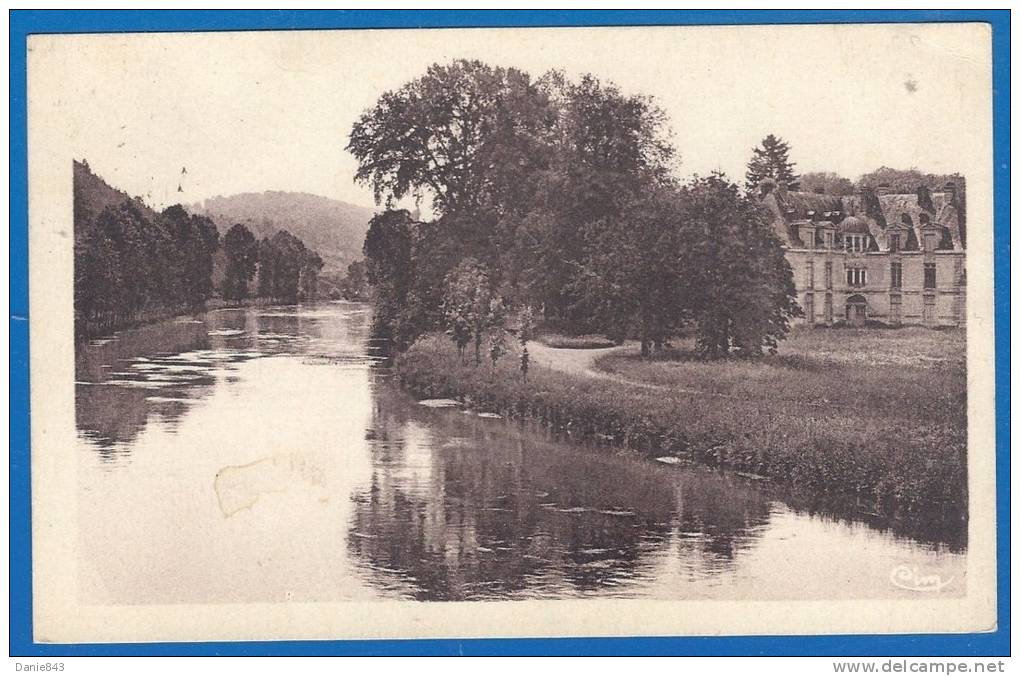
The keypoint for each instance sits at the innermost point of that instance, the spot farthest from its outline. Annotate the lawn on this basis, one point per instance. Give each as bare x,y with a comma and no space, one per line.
877,414
906,378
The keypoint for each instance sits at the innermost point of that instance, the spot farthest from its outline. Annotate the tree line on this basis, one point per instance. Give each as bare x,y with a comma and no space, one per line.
287,270
133,264
558,196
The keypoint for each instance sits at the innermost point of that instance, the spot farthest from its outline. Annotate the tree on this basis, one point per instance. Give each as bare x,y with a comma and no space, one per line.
242,254
268,256
458,307
288,270
514,168
770,160
464,133
308,280
466,306
193,241
389,269
97,281
632,278
827,183
354,285
743,288
606,148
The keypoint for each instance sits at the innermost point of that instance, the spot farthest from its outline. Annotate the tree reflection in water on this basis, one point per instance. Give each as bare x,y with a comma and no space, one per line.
489,511
156,373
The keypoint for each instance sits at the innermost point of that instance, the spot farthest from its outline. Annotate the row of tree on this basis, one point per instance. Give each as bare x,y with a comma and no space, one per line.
557,195
133,261
287,270
134,264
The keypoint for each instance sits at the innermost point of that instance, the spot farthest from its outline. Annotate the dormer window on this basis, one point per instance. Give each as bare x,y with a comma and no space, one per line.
894,242
855,242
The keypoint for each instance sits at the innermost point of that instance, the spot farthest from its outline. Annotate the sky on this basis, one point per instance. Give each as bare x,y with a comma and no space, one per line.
261,111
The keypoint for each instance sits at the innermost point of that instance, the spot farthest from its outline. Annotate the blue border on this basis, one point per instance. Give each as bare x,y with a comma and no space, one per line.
26,22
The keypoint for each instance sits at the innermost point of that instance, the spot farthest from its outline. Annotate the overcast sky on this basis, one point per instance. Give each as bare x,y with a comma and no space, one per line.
272,110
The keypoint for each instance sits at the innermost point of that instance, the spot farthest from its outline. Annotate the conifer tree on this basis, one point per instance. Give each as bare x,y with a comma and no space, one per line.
770,160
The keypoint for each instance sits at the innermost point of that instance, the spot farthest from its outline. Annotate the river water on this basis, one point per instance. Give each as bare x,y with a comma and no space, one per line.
264,455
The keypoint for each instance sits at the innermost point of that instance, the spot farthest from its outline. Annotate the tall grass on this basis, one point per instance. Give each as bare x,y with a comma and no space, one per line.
893,439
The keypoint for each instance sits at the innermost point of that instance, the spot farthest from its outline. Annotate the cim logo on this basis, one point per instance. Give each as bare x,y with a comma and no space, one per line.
912,579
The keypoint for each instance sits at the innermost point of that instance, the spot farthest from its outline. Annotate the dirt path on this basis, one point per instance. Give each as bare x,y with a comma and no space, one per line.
581,362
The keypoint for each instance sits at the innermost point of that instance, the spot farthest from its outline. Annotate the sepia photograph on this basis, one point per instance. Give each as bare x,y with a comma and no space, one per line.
576,331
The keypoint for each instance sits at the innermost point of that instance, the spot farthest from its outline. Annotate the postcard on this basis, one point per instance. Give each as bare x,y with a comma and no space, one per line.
512,332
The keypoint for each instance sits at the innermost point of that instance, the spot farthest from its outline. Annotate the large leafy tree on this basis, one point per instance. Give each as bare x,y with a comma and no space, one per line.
465,134
558,194
606,148
388,248
743,288
287,269
195,240
770,160
632,278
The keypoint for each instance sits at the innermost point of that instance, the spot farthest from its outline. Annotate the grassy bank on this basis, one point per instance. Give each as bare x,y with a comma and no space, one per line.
562,341
879,415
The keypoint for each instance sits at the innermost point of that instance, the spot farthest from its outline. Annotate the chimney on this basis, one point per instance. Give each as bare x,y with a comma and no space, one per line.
950,190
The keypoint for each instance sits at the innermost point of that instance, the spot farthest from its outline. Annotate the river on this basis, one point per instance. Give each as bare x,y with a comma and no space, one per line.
265,455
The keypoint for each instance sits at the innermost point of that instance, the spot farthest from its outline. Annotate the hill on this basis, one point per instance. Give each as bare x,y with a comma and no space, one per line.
334,229
92,194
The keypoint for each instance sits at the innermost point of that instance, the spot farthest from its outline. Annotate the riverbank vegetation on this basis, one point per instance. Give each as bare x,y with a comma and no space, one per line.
876,416
133,264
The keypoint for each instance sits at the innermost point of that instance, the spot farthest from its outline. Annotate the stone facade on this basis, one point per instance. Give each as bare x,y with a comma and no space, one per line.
894,259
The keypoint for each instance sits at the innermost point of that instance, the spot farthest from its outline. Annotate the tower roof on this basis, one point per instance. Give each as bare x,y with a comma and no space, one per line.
853,226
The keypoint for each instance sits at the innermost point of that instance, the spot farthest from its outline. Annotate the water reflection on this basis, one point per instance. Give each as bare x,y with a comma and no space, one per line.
156,373
490,511
263,455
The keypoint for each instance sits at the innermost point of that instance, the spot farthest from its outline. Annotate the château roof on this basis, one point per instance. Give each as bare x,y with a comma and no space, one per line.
867,213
